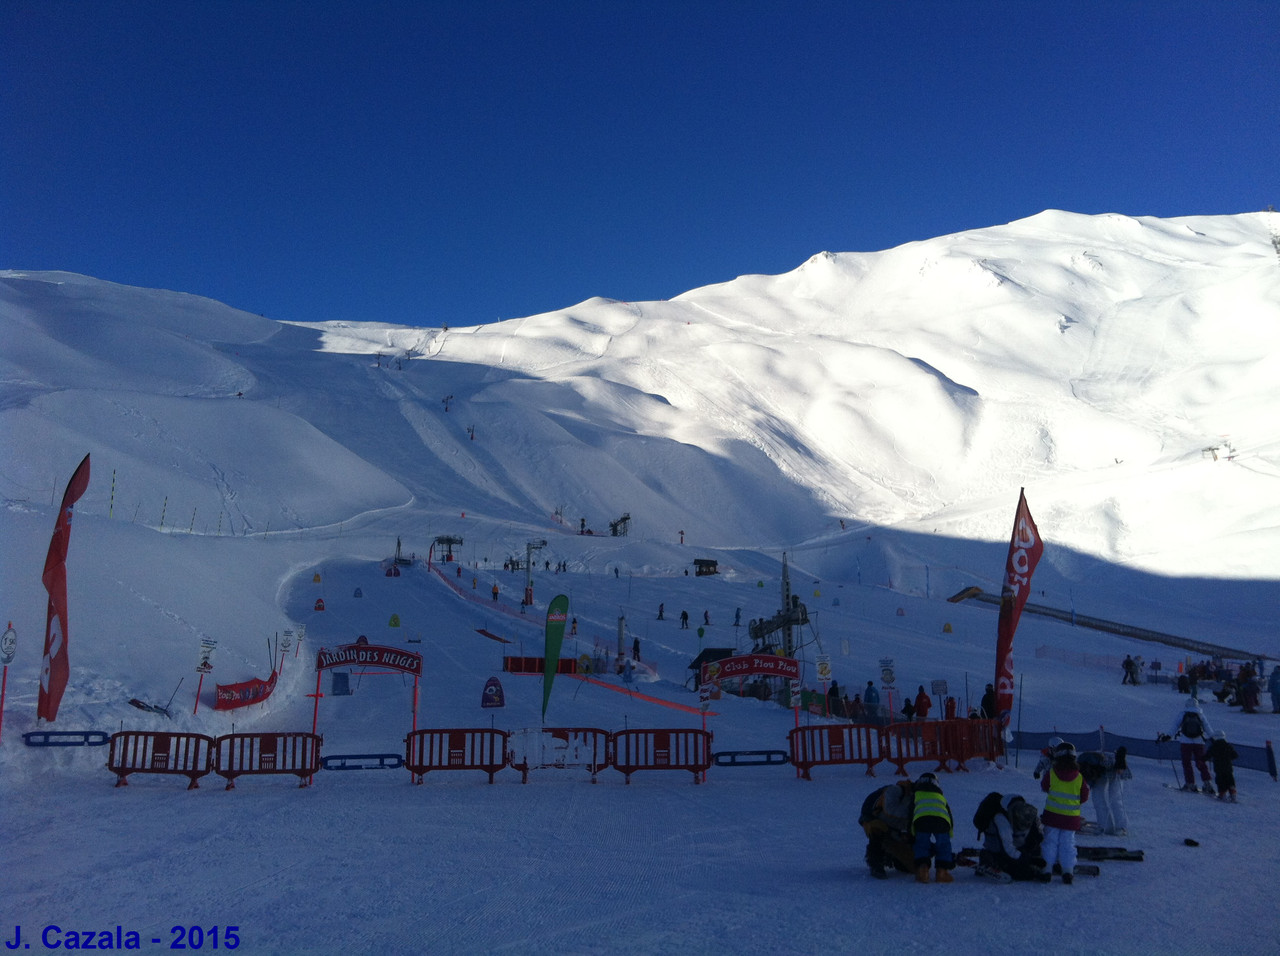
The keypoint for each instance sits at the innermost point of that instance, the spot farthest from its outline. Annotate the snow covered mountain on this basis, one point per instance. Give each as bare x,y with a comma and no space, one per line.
872,415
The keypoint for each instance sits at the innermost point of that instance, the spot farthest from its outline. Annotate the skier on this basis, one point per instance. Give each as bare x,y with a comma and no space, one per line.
931,829
1192,725
923,703
1130,669
684,620
886,820
1105,772
1273,687
1046,756
1066,791
871,700
661,609
1012,834
988,704
1222,753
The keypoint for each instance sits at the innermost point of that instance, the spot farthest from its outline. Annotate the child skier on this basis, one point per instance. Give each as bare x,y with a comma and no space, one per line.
1046,757
1067,791
931,830
1220,754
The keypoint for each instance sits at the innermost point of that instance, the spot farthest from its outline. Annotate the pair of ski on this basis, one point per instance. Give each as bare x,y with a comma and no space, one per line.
969,857
1202,792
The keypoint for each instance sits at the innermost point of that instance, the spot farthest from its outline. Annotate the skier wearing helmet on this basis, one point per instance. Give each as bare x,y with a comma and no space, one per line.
1066,791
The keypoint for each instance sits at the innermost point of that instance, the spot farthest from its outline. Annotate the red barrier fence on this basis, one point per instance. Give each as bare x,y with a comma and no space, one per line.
141,751
820,744
562,748
514,664
236,755
427,750
939,742
662,750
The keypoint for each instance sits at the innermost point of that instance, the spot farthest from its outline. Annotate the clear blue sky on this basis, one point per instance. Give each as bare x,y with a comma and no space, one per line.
461,162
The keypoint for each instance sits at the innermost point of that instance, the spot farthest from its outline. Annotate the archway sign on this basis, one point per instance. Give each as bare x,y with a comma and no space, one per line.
387,660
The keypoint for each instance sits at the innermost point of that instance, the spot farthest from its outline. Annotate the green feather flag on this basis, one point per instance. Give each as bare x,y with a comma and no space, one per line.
557,614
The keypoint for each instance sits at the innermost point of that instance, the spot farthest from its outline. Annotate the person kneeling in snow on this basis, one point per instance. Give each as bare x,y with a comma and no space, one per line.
886,819
931,830
1012,834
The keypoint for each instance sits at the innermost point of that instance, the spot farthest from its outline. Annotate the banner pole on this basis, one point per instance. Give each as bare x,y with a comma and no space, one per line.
4,683
315,715
198,686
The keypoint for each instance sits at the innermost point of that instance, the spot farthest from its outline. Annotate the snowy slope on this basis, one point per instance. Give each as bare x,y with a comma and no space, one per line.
872,415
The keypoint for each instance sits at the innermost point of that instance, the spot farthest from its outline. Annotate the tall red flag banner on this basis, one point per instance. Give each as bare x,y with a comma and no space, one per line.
55,668
1025,548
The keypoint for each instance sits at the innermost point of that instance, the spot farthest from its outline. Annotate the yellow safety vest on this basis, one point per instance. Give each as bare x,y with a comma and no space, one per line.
930,804
1064,796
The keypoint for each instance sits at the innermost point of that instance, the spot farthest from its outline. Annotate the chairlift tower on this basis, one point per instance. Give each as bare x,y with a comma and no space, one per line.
529,548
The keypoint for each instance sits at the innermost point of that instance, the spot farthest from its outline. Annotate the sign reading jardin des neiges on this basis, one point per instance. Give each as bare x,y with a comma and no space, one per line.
370,655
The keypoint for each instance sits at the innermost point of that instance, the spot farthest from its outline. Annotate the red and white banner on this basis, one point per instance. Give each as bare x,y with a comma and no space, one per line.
749,665
231,696
1025,548
56,666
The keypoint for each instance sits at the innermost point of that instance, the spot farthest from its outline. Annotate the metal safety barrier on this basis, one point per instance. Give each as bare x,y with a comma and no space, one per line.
238,755
662,750
820,744
561,748
141,751
428,750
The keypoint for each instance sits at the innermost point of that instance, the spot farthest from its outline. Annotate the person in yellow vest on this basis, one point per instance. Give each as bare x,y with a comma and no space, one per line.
1067,792
931,830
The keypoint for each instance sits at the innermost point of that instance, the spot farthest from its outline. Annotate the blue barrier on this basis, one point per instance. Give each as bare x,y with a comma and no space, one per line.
66,738
361,762
751,758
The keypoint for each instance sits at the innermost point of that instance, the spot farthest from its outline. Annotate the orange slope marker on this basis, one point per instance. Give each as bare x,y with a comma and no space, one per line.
635,693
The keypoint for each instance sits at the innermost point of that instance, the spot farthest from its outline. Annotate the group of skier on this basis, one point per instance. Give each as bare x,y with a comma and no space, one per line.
1192,729
908,825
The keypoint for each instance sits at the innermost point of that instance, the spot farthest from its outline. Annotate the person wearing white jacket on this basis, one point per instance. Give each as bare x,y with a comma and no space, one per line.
1193,727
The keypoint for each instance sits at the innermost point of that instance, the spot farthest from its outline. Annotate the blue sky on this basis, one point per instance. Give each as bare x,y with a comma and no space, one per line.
440,162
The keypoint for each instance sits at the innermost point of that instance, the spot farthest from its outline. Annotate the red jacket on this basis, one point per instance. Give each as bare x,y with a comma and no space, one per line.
922,705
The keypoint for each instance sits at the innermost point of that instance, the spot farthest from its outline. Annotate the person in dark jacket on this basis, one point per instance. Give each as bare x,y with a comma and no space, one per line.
886,820
988,704
1221,754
